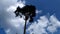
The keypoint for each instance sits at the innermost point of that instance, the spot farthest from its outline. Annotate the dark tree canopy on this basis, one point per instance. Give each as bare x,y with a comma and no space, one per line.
28,11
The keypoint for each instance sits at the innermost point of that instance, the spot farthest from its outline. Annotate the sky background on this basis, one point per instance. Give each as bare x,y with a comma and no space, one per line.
47,20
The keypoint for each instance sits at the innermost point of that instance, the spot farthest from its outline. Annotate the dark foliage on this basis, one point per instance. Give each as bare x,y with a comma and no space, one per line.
28,11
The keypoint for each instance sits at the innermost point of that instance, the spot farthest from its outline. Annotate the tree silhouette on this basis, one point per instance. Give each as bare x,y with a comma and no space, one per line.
28,11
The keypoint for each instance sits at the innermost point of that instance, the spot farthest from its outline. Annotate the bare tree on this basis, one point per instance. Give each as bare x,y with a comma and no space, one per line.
28,11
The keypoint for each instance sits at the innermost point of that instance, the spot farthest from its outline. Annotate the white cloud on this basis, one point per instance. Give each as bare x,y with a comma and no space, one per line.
13,7
10,23
13,25
52,29
15,22
38,11
54,24
7,31
39,28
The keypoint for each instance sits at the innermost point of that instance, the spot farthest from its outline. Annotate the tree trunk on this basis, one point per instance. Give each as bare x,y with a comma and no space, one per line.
25,27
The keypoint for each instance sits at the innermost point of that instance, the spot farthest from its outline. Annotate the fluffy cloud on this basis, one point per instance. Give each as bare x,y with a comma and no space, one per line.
8,21
16,23
39,28
44,23
54,24
13,25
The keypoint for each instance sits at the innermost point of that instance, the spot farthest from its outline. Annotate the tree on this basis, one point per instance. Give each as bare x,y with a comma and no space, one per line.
28,11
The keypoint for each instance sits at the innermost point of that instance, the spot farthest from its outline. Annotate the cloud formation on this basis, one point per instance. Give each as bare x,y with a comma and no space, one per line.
44,24
13,25
8,21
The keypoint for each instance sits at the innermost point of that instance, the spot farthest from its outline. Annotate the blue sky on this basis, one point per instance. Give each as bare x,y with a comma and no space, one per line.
51,6
48,11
